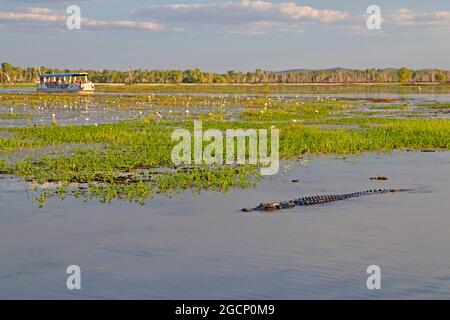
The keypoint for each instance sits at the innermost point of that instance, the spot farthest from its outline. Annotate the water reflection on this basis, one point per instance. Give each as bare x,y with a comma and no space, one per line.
193,246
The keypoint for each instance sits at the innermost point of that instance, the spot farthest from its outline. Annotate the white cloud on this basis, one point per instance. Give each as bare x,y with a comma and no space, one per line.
264,28
263,17
248,17
43,15
33,2
238,12
30,18
122,24
256,28
408,18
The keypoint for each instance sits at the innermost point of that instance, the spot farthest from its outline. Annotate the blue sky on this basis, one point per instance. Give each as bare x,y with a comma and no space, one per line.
223,35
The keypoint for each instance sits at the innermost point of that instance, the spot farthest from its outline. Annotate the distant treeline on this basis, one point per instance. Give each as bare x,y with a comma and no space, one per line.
12,74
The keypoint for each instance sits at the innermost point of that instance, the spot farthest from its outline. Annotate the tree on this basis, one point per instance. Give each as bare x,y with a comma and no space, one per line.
7,71
12,74
404,75
441,76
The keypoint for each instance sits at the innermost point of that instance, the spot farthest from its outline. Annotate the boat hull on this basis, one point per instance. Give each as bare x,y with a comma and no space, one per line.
72,88
61,90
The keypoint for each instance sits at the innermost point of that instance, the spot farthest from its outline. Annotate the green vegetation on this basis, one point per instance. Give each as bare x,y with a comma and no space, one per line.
322,89
441,76
7,116
437,105
378,135
404,75
11,74
10,145
4,167
132,159
133,101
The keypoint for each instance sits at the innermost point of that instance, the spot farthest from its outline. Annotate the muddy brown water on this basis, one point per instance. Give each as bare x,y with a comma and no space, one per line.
201,246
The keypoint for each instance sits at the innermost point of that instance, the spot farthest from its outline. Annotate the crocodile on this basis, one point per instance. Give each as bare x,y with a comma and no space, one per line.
308,201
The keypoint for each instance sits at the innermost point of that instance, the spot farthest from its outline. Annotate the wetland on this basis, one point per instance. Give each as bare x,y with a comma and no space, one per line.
89,180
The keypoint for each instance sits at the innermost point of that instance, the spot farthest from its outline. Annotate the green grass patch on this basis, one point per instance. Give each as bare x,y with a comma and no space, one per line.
387,136
4,166
278,88
436,105
13,116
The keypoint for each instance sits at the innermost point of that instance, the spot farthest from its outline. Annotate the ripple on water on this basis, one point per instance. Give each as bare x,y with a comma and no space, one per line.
200,246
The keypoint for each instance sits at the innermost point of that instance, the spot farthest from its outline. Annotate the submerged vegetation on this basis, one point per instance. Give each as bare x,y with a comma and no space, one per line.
7,116
131,158
437,105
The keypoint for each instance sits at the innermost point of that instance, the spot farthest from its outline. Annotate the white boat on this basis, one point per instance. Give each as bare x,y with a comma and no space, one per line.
65,83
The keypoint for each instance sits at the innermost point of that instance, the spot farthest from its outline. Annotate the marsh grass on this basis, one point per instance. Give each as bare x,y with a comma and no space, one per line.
436,105
13,144
134,162
279,88
4,166
388,135
390,107
14,116
198,179
310,110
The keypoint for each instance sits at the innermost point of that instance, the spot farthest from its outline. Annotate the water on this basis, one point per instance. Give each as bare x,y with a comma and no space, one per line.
18,90
72,115
201,246
89,115
439,97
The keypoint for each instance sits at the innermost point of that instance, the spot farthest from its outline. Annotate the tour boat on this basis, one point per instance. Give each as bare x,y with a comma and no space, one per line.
65,82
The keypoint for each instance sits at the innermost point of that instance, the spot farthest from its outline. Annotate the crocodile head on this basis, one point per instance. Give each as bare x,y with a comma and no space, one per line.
273,206
268,207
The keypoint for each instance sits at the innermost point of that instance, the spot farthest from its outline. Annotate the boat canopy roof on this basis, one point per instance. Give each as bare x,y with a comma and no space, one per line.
61,75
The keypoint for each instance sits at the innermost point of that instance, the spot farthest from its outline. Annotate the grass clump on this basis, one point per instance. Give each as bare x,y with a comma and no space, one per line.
387,136
4,167
14,116
140,188
436,105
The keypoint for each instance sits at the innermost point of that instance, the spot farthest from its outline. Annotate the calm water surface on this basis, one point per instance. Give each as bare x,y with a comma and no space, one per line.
201,246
